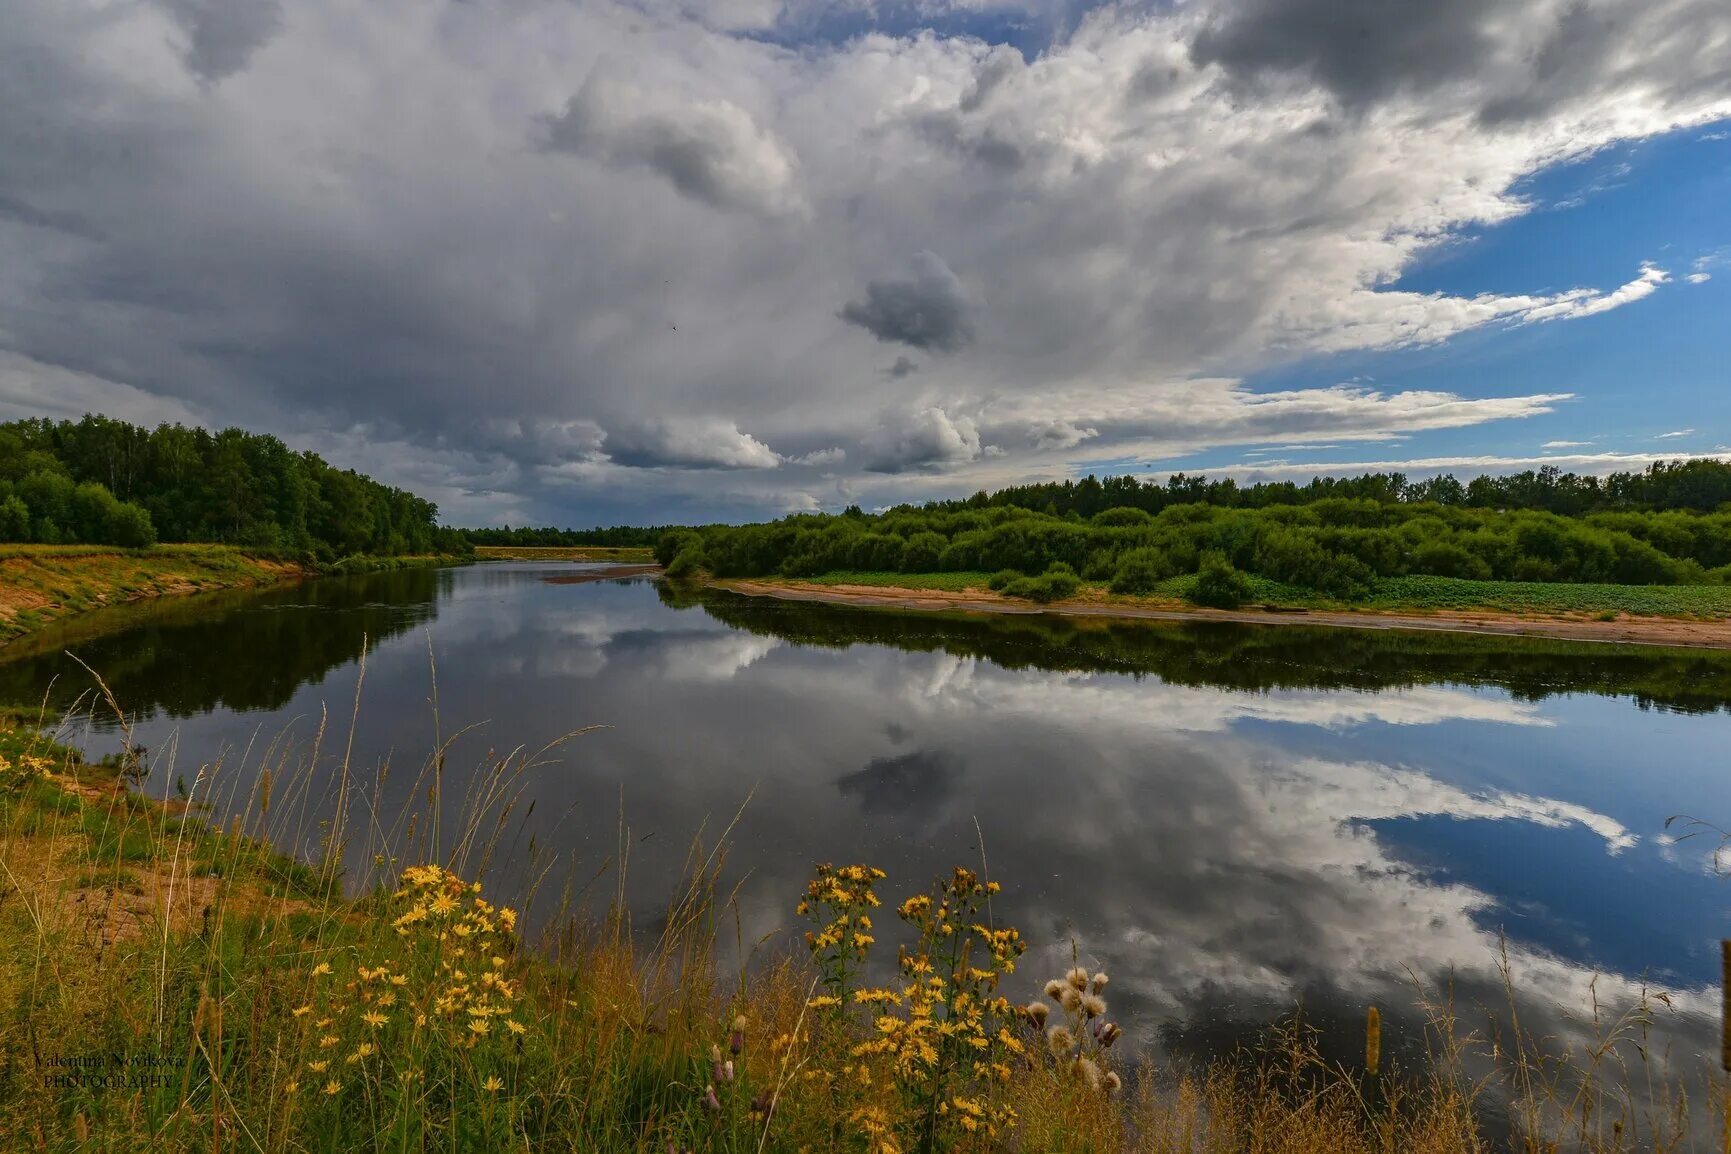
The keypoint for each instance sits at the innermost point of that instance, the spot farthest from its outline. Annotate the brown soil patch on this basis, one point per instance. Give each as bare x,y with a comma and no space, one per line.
1624,630
607,574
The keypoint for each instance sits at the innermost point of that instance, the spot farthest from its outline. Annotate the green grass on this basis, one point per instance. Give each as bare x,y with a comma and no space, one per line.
1535,597
947,582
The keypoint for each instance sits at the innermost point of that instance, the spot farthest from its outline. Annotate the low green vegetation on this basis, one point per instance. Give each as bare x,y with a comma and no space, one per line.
1377,541
527,537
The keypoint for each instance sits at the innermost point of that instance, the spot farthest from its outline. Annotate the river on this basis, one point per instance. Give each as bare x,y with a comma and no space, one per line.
1228,819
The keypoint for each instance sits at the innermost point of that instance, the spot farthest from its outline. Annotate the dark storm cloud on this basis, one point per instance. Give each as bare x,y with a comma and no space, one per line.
928,309
711,151
223,35
1680,49
1514,61
1361,50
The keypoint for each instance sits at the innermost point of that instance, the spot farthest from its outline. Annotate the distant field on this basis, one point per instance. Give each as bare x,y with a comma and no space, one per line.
1392,594
622,554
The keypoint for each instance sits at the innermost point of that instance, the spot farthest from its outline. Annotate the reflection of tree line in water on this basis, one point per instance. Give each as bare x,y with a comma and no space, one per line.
185,656
1247,657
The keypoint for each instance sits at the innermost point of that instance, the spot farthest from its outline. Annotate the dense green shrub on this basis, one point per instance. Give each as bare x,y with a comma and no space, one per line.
1335,538
1055,584
1446,559
1140,570
688,563
1123,515
1218,585
922,552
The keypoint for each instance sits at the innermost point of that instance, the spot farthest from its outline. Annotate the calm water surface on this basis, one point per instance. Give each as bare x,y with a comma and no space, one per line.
1225,818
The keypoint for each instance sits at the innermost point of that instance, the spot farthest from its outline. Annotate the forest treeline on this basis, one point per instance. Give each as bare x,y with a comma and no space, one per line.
526,537
100,481
1668,525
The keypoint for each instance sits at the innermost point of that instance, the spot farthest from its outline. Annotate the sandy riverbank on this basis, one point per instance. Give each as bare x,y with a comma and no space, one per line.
1625,629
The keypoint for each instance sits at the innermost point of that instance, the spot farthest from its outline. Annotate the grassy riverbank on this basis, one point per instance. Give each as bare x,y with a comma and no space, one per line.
42,584
262,1003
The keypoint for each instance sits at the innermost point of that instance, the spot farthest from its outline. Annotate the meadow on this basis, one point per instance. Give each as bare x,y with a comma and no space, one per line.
172,982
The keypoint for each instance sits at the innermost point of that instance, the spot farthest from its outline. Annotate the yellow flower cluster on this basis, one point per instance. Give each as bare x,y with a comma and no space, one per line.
471,1002
26,767
452,984
940,1039
445,910
846,893
444,906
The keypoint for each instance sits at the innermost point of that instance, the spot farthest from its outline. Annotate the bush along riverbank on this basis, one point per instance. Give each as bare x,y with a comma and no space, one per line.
42,584
170,982
1404,549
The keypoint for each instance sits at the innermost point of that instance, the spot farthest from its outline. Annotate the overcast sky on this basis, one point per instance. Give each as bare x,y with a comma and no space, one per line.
578,262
